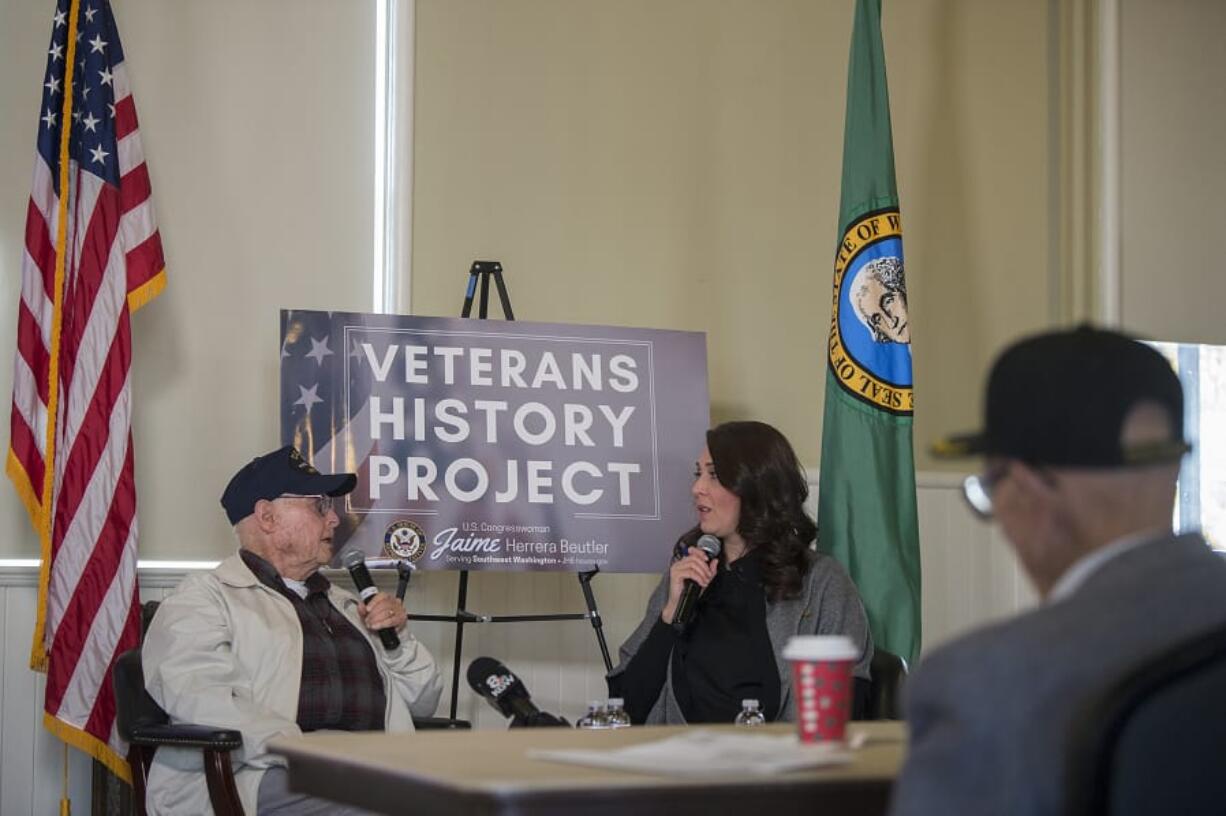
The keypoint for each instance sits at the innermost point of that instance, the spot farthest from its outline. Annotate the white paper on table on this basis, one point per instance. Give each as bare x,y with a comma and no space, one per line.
707,753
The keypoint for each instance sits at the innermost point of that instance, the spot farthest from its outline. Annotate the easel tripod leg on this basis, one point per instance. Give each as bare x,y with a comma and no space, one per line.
502,294
585,582
471,290
461,606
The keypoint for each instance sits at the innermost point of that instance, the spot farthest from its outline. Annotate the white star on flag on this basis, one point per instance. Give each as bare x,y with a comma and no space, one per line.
97,45
52,84
49,118
319,350
309,397
106,76
90,122
60,19
98,154
56,52
89,14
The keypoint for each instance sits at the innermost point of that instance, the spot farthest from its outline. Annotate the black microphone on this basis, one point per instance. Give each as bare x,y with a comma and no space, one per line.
506,692
355,562
689,596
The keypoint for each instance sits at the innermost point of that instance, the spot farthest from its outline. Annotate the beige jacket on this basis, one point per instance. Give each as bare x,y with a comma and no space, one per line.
225,650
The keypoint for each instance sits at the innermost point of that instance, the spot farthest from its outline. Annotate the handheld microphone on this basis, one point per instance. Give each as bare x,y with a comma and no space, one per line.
355,561
506,692
689,596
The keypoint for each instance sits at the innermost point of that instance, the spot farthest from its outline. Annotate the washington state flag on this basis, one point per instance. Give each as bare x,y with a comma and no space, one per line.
866,508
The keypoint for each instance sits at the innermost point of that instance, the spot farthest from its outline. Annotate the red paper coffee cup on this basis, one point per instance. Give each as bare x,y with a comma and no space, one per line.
822,684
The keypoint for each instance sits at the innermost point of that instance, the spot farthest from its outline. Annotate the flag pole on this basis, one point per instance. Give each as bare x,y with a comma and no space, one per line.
65,801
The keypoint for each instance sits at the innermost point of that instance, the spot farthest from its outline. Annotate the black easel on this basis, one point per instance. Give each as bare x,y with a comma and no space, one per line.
481,272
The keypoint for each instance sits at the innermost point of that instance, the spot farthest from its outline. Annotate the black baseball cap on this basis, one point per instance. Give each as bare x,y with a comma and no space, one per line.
280,473
1060,399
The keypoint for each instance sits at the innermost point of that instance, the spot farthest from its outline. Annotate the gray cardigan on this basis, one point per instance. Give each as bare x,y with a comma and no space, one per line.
828,604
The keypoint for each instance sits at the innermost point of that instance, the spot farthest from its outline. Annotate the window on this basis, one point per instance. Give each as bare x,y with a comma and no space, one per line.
1201,501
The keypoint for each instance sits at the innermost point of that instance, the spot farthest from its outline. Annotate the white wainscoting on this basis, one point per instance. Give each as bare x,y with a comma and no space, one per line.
31,759
970,577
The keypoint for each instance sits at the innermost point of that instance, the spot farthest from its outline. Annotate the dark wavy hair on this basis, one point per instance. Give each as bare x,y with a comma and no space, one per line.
757,463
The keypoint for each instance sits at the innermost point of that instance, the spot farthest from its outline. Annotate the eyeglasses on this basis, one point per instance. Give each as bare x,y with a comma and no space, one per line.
977,490
322,504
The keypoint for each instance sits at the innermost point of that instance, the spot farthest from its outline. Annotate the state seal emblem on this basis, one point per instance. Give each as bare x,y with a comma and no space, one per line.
869,348
404,539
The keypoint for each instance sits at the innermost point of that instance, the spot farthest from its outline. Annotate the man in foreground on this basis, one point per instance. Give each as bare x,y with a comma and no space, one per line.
1083,439
266,645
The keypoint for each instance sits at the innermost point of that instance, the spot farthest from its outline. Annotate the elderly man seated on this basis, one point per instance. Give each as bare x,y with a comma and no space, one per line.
267,645
1083,438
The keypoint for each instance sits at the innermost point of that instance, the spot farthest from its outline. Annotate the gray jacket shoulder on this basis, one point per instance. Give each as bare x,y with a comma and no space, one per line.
987,728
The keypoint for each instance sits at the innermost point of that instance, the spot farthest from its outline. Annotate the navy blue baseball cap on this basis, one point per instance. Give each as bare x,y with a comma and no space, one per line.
284,472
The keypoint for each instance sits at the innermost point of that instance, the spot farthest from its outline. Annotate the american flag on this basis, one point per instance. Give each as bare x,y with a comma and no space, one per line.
92,256
325,401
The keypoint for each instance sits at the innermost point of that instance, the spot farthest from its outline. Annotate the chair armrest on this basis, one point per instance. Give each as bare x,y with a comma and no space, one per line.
187,736
439,723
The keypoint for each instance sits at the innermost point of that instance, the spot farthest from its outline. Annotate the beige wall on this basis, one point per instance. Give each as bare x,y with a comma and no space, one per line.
257,126
677,165
666,164
1173,114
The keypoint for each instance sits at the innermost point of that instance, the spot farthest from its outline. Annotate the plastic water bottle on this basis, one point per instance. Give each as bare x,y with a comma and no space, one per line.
595,718
616,714
751,714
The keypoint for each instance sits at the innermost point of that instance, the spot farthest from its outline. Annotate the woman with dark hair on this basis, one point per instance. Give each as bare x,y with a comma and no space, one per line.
767,584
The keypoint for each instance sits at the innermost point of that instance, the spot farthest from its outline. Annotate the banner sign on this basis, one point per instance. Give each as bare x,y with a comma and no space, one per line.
489,444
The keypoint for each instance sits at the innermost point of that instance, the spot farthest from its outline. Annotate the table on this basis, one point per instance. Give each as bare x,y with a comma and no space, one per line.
474,773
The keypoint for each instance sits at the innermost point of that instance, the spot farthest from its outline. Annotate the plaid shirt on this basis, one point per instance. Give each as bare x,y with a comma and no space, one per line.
341,686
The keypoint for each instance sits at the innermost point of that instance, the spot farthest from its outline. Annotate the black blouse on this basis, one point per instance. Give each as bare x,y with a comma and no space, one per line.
723,656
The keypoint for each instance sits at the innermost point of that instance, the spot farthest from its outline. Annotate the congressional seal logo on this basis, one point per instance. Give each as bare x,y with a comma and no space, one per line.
870,331
404,539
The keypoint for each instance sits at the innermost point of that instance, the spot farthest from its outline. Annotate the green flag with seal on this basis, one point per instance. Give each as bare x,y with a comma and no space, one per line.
866,507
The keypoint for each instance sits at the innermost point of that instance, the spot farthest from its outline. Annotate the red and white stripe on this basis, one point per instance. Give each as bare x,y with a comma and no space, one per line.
91,609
